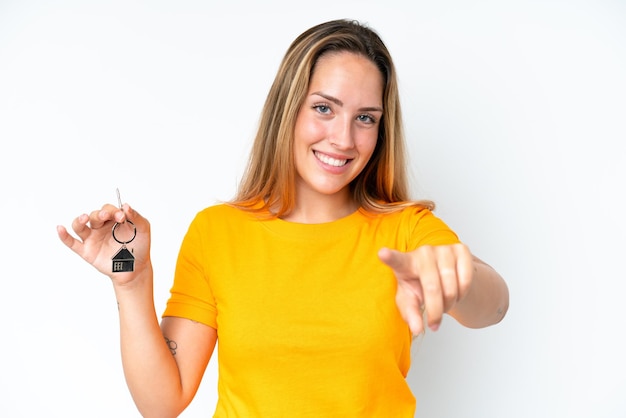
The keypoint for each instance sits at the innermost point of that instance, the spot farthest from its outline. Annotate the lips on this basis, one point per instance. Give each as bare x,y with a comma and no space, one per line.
326,159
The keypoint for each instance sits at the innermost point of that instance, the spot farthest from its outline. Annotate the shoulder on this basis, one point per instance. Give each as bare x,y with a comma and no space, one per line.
218,223
402,215
416,226
225,218
215,217
221,212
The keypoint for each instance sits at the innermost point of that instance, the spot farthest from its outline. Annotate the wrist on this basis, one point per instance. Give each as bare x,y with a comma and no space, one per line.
132,282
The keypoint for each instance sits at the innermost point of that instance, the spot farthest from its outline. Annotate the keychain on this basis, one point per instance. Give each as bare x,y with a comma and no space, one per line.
123,260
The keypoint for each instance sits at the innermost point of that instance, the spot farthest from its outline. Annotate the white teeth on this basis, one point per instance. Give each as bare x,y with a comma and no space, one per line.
330,161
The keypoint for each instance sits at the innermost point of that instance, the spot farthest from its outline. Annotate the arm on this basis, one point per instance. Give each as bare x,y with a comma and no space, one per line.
486,301
162,382
163,365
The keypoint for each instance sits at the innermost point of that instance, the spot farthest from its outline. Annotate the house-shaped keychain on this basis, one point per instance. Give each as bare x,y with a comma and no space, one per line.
123,260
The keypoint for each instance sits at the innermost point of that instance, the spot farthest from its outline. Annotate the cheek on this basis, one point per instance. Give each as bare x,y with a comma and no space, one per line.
308,131
367,144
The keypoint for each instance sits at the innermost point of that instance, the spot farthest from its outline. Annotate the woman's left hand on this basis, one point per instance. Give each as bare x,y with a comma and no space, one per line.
431,279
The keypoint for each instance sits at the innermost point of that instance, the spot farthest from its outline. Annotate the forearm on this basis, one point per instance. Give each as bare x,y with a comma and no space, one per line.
150,369
486,301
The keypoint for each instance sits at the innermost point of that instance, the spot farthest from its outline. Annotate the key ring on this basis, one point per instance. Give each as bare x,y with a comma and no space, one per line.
124,242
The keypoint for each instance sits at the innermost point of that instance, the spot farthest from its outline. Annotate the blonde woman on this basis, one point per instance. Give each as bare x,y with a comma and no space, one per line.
319,272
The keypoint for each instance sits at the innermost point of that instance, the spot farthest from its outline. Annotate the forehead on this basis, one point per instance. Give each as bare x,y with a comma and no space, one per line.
349,73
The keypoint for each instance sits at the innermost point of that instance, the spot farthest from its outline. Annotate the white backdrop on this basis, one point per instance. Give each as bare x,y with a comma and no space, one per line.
515,114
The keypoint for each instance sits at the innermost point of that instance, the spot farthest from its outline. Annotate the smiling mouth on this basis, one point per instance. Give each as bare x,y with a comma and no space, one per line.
330,160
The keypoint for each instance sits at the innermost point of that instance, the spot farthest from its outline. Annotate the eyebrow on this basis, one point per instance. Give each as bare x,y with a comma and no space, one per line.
340,103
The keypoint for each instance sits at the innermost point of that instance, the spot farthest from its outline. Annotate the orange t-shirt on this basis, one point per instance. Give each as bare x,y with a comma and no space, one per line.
306,315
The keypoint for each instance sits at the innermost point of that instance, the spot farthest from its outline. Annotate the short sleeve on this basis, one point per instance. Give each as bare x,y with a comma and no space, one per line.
424,228
191,296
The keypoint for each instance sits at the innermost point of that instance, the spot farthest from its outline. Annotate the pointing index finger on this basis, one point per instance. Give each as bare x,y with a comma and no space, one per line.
394,260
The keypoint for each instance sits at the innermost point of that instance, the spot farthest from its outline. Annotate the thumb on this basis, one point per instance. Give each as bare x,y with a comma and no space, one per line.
132,215
409,294
410,310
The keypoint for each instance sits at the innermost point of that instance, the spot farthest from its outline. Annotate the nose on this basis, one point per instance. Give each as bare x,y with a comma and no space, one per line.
341,134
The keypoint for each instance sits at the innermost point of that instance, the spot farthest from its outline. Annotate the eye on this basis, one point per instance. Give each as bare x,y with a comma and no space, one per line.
322,108
366,118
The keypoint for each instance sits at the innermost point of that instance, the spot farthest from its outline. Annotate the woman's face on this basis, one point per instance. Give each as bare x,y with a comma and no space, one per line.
337,127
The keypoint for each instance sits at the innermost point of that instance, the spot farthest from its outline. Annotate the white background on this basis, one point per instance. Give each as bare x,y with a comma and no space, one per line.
515,115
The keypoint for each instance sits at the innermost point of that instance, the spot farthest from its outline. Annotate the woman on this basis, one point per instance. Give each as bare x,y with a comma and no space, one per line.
317,274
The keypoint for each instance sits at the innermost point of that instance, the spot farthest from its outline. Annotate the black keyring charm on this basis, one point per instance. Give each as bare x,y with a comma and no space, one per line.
124,242
123,260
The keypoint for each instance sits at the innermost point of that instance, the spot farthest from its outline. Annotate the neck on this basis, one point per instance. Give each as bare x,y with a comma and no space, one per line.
321,208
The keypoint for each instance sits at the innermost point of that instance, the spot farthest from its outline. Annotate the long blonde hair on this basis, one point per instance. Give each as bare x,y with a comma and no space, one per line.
269,180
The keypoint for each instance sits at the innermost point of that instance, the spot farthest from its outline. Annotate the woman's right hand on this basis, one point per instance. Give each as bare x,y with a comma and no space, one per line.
96,245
